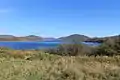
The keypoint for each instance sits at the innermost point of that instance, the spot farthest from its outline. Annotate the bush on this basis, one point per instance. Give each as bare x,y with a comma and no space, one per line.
104,50
110,47
71,50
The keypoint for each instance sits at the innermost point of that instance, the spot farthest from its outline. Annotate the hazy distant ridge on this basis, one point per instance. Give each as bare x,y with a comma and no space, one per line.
74,37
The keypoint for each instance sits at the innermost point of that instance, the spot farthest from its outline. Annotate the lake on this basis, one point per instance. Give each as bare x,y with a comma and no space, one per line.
36,45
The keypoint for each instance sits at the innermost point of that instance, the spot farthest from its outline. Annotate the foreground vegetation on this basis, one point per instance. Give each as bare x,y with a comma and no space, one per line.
66,62
38,65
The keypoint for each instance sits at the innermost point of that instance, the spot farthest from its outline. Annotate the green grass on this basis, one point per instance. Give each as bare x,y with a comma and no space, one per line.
37,65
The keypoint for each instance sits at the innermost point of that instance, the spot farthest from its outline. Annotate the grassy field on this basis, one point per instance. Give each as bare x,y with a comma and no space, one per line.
37,65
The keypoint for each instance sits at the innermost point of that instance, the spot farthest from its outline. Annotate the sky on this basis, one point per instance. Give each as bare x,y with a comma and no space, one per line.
55,18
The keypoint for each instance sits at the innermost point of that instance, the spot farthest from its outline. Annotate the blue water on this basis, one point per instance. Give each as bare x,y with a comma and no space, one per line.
35,45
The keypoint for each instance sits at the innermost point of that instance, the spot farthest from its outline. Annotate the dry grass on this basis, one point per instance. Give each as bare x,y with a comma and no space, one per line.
44,66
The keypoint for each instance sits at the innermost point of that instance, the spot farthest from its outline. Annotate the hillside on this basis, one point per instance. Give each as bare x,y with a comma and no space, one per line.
7,36
102,39
49,39
71,38
74,37
14,38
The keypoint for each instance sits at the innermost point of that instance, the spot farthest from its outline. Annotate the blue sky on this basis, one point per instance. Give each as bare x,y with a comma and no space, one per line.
55,18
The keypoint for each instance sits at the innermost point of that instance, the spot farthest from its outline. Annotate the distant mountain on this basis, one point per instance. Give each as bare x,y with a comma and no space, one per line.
75,37
71,38
102,39
7,36
14,38
96,39
33,38
49,39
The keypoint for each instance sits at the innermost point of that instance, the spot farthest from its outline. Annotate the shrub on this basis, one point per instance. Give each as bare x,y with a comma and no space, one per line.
4,49
104,50
109,48
70,50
